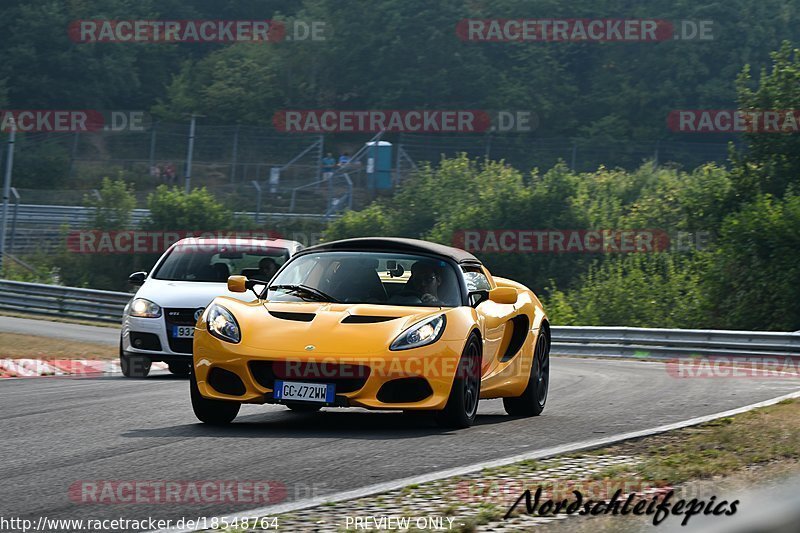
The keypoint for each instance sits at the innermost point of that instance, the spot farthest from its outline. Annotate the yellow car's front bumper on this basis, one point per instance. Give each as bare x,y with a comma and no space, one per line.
420,378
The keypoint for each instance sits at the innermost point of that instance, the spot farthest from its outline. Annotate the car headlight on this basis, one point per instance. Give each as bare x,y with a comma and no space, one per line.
145,308
422,333
222,325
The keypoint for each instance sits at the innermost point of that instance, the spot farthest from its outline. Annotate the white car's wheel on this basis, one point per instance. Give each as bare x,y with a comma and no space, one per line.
133,366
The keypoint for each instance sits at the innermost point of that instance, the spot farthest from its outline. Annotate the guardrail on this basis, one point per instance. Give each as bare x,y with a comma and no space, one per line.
653,343
58,301
53,216
656,343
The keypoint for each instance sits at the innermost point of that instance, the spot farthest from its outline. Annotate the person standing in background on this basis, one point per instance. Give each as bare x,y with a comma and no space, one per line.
328,166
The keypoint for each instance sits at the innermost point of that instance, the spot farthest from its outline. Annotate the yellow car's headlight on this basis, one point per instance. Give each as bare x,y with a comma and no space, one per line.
422,333
222,325
145,308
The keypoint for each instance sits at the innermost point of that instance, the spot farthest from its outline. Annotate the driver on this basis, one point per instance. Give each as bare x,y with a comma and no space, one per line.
424,282
267,268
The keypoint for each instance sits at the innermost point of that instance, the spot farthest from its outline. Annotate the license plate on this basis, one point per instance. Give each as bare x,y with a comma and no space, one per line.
182,332
304,392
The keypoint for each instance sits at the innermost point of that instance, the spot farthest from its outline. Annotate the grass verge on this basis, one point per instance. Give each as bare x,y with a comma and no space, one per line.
760,445
16,346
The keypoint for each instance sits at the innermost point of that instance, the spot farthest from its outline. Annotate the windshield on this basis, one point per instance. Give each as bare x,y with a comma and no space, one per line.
368,277
214,263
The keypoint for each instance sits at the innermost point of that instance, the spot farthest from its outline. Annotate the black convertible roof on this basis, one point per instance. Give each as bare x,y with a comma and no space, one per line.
395,244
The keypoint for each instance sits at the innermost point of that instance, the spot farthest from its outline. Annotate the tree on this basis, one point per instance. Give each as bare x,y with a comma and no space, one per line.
113,209
173,209
771,162
754,271
113,206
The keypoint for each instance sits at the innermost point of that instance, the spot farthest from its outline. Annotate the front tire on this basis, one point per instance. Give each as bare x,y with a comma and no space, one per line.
213,412
133,366
462,404
180,369
532,400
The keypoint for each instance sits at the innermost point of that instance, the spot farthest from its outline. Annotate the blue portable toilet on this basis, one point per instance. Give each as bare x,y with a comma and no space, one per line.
379,165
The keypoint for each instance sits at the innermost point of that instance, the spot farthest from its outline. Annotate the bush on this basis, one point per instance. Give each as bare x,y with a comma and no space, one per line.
43,166
755,270
198,210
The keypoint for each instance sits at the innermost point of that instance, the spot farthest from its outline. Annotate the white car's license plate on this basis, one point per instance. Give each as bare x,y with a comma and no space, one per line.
182,332
304,392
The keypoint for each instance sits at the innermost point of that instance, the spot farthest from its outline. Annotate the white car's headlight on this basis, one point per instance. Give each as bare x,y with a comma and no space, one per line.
145,308
222,325
420,334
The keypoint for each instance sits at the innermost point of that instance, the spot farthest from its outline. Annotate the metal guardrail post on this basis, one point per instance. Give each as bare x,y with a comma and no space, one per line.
320,151
235,152
7,191
152,156
258,200
14,220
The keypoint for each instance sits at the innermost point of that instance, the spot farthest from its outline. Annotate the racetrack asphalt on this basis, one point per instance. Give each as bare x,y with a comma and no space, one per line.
58,431
60,330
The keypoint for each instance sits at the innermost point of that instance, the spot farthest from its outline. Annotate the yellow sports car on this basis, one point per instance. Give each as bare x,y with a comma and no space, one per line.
379,323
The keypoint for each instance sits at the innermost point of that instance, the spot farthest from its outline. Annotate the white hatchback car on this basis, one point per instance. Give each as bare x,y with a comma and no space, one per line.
158,323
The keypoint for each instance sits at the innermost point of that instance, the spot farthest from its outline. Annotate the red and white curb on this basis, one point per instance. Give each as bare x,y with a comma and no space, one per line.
31,368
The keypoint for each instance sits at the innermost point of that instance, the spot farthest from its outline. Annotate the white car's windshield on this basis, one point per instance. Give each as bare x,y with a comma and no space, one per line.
214,263
368,277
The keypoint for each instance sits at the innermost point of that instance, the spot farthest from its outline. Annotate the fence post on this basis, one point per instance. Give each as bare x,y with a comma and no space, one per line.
574,155
397,160
7,191
235,152
320,153
152,157
14,221
73,153
258,200
189,155
655,156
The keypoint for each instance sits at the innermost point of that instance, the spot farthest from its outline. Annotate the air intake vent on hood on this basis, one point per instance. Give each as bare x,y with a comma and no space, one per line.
366,319
297,317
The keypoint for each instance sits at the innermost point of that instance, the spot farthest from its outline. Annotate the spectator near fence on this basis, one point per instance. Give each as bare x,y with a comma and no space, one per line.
155,172
328,166
169,173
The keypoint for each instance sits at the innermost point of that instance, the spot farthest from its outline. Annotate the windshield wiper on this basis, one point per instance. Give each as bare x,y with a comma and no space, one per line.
320,296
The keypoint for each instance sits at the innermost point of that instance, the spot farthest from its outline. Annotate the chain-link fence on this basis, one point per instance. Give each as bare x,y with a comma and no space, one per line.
256,168
580,154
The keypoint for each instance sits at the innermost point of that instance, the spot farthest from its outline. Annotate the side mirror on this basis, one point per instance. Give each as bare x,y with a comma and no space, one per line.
503,295
477,297
237,284
137,278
